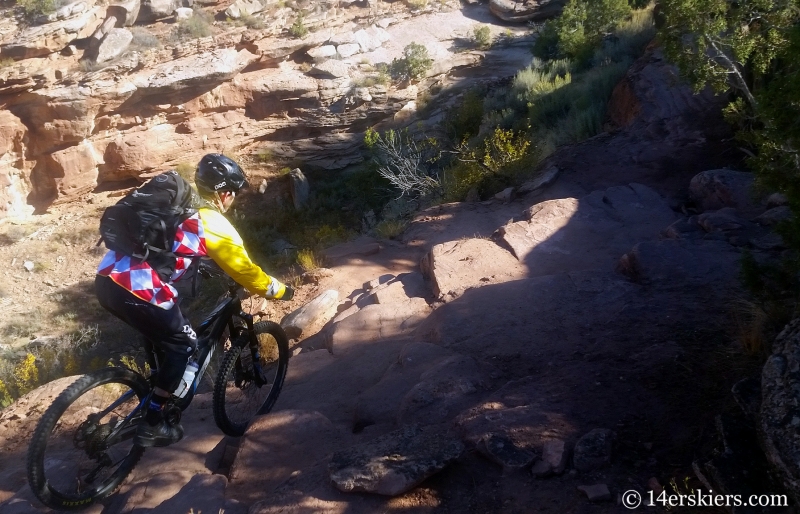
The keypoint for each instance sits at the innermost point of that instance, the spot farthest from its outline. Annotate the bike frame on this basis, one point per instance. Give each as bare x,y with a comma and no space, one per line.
210,330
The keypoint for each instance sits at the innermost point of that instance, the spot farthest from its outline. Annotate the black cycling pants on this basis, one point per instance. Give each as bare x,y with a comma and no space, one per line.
166,329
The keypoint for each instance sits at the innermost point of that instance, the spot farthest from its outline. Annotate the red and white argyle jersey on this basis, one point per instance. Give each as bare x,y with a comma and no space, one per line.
142,280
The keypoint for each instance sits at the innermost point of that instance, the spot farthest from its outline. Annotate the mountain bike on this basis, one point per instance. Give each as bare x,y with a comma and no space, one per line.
82,448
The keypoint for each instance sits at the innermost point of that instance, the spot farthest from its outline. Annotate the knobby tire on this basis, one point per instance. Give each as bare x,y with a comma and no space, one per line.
57,431
236,400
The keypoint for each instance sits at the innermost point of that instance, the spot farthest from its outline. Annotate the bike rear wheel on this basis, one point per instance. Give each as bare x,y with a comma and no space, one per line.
251,377
82,448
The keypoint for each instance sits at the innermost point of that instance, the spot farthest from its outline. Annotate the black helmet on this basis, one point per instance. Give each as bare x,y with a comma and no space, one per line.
216,173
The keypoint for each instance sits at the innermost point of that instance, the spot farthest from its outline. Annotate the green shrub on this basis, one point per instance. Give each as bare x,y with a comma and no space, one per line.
251,22
298,29
414,64
34,8
482,36
580,28
390,229
464,120
197,26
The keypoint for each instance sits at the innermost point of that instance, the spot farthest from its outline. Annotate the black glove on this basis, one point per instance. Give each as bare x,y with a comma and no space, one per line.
288,294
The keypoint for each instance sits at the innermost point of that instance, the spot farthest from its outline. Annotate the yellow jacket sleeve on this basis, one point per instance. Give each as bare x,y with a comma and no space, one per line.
224,245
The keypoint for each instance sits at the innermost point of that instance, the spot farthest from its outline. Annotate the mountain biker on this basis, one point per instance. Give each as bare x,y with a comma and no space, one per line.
135,293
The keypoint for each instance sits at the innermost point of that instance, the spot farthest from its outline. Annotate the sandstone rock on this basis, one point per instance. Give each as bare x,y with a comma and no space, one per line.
545,178
595,493
505,195
277,445
776,200
685,228
322,307
298,188
725,219
555,455
593,450
381,402
779,418
115,42
152,10
194,71
394,463
367,40
348,49
183,13
39,40
315,276
454,267
446,388
331,69
774,216
503,451
75,168
715,189
373,323
675,263
322,52
125,11
525,10
241,8
589,233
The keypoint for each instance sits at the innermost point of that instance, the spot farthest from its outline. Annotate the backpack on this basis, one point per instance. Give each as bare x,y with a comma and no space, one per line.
142,225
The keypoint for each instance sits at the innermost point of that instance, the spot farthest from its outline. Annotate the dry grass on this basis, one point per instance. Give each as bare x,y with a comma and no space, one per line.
751,324
309,260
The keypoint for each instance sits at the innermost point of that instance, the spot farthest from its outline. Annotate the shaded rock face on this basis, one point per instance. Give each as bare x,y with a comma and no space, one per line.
593,450
394,463
715,189
780,408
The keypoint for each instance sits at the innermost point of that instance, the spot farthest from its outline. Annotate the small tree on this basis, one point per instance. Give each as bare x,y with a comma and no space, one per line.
414,64
298,29
407,165
482,36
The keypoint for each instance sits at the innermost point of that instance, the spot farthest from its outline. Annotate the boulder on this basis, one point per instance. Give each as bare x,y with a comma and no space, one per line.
183,13
367,40
241,8
544,179
525,10
348,49
322,52
331,68
715,189
373,323
320,309
152,10
780,409
774,216
125,11
394,463
678,262
554,459
114,44
587,233
595,493
502,450
593,450
457,266
75,168
298,188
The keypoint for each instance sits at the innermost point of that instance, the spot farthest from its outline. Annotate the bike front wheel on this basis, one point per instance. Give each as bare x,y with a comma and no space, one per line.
251,377
82,448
